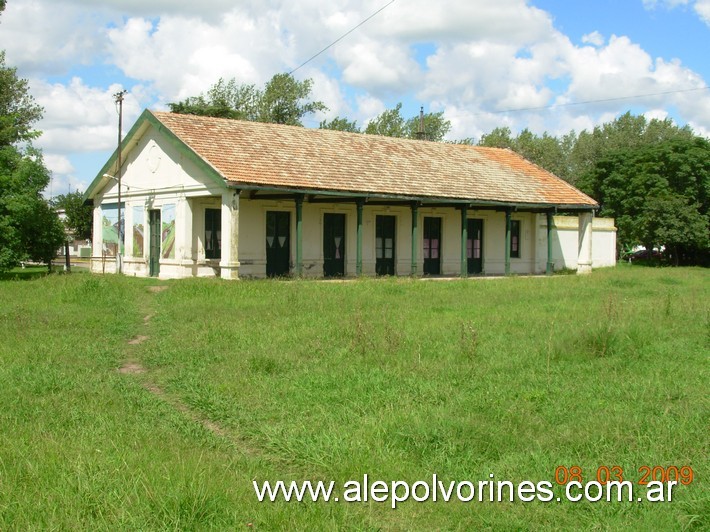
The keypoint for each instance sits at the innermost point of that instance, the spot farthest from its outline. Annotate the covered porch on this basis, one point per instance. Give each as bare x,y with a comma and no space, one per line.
325,234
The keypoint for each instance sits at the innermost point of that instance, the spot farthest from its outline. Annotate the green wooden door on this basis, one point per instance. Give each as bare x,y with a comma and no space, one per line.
333,245
154,253
384,245
213,234
278,245
432,246
474,246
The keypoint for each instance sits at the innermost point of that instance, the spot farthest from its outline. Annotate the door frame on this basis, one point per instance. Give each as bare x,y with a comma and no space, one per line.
337,263
154,241
383,265
283,267
471,265
428,263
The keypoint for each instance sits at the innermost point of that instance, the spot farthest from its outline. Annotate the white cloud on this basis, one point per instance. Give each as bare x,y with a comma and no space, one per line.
702,8
595,38
63,177
668,4
58,164
50,37
183,57
509,21
79,118
379,66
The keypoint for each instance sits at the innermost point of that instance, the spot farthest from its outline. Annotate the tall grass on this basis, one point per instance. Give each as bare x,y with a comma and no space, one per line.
395,378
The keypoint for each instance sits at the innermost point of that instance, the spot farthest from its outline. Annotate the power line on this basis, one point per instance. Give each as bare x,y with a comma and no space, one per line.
619,98
341,37
554,106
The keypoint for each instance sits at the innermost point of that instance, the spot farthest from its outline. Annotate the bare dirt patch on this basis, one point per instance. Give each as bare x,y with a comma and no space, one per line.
137,340
131,367
157,288
183,408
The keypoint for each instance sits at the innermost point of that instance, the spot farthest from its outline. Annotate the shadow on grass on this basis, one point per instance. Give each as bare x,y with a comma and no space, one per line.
30,273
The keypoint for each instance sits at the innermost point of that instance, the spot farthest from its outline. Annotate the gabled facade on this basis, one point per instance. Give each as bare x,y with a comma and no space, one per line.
214,197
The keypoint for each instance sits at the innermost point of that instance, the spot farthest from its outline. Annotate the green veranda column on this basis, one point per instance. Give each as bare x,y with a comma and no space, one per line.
415,240
464,241
507,242
358,252
299,235
550,264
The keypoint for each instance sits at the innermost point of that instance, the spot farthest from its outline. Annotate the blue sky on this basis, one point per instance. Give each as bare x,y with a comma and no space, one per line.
475,60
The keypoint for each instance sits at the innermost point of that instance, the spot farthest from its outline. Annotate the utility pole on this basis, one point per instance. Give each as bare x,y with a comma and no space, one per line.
118,97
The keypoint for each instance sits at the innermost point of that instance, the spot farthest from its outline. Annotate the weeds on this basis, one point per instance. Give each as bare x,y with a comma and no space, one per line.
469,340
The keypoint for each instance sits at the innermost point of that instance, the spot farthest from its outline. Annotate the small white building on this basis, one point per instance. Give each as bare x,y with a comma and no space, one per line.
216,197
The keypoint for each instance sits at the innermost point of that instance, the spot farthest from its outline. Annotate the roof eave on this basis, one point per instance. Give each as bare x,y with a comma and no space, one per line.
472,202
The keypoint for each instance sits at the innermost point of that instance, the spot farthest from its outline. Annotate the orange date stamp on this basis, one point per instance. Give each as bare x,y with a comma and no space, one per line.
605,474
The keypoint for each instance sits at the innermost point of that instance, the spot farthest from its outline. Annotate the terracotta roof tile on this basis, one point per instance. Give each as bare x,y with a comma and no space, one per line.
252,153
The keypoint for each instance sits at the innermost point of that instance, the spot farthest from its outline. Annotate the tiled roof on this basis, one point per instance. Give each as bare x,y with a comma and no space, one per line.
272,155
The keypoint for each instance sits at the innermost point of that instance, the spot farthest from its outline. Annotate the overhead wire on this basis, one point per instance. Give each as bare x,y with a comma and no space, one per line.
586,102
505,111
336,41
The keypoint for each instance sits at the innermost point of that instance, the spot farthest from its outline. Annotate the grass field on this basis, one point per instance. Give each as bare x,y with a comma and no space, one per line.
124,407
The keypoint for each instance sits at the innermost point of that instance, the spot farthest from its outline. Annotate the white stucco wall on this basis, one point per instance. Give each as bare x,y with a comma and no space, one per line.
156,176
566,242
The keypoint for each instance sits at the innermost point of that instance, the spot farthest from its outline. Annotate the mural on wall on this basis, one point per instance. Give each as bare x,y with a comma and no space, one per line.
138,231
168,231
109,228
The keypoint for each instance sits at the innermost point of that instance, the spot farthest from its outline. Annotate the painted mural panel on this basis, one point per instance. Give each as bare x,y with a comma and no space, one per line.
138,231
168,231
109,228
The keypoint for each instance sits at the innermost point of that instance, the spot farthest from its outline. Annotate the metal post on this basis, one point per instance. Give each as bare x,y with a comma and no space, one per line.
358,253
299,235
507,242
415,239
67,260
464,241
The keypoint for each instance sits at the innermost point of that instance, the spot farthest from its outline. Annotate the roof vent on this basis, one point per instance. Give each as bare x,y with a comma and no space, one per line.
421,135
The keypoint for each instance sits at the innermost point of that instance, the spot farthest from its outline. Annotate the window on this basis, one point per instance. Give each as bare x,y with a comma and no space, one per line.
213,233
515,239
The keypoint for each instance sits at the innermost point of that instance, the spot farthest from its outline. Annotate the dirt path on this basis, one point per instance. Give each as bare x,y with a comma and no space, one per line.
131,366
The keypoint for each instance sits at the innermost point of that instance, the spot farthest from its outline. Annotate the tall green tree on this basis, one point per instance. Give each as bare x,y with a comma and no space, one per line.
283,100
500,137
627,132
29,227
658,194
546,151
79,217
340,124
18,109
391,123
286,101
573,156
